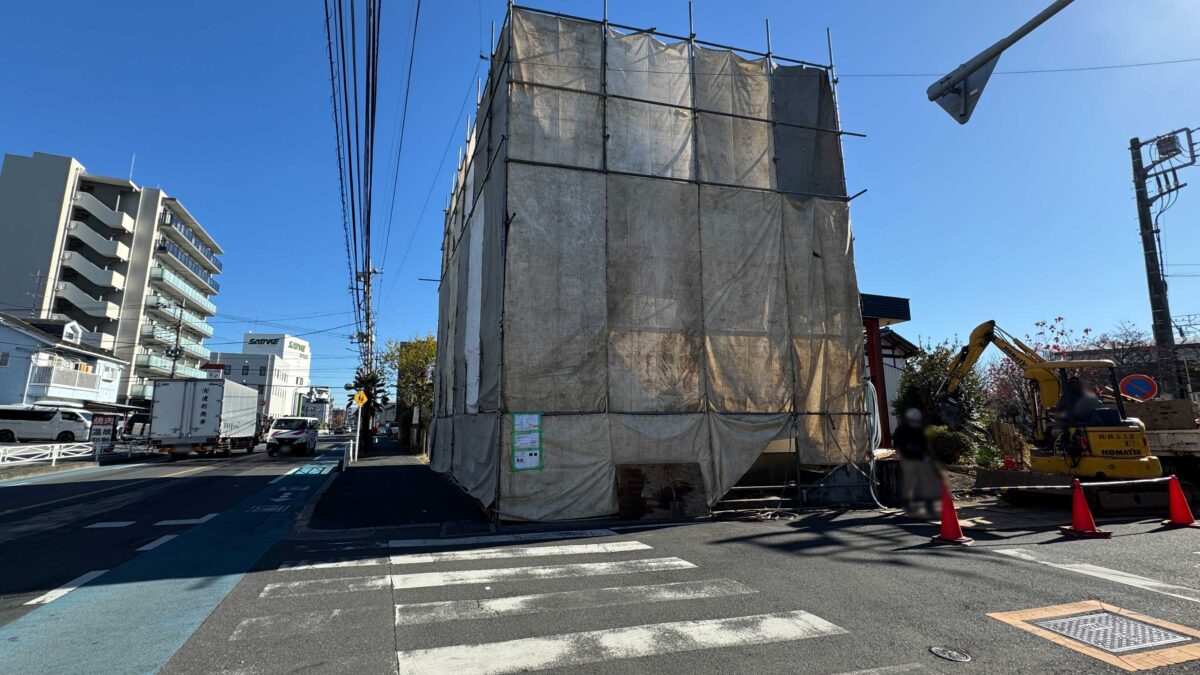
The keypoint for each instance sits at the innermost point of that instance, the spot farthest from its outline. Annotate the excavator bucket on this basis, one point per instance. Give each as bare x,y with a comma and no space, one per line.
951,412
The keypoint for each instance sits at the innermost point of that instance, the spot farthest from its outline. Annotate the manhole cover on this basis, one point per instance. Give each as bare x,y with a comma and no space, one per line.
950,654
1111,632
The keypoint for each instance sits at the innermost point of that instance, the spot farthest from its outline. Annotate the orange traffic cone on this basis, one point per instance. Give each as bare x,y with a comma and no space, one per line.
1181,515
1082,524
951,532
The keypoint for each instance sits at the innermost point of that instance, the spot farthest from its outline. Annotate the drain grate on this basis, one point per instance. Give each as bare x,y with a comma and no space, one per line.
1111,632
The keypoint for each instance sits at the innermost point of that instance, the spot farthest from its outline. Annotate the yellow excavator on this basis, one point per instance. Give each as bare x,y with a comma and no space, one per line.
1074,433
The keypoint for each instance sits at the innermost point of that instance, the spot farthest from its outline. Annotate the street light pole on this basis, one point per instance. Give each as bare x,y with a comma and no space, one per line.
959,91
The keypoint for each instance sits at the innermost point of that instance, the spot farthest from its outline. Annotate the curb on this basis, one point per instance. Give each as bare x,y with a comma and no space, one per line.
42,469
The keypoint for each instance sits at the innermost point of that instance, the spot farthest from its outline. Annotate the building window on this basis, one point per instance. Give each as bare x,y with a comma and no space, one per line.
260,390
3,359
245,370
262,371
228,369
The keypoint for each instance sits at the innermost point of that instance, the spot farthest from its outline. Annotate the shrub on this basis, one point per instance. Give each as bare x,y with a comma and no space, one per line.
989,457
950,447
923,375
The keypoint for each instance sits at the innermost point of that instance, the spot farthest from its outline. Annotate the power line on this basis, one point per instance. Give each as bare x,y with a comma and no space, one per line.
1038,71
403,126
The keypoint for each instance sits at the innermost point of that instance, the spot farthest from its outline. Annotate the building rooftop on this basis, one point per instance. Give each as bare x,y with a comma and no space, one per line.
30,328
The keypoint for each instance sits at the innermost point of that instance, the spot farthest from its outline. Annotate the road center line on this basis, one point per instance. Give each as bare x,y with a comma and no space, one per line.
65,588
1144,583
158,542
189,521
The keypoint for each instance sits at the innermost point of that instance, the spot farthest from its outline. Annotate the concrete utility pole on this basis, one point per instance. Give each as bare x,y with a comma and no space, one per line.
176,352
1163,171
959,91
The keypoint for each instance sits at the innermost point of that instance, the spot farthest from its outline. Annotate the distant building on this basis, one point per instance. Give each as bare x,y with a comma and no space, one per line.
319,404
276,364
127,263
44,361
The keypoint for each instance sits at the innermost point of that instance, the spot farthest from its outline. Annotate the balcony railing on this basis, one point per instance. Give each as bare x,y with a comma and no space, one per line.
173,221
64,377
163,365
180,255
182,289
167,336
169,308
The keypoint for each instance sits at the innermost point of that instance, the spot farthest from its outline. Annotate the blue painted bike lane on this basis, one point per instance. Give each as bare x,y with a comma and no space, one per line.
132,619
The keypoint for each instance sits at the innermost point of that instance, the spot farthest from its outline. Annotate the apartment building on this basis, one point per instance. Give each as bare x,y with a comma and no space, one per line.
128,263
319,404
276,364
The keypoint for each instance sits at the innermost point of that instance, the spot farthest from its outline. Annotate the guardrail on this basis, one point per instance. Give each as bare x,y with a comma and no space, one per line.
48,452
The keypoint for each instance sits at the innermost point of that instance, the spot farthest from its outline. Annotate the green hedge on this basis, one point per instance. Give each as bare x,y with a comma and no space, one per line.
950,447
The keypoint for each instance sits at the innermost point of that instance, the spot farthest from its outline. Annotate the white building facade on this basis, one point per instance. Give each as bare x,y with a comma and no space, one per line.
276,364
319,404
128,263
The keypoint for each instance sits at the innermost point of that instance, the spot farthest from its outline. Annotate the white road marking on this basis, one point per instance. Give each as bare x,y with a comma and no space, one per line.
282,476
341,546
487,608
111,524
429,579
518,552
158,542
892,670
1144,583
272,627
499,538
188,521
576,649
71,585
310,565
292,589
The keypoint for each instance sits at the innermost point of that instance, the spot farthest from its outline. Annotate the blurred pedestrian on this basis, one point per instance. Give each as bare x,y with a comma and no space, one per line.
919,474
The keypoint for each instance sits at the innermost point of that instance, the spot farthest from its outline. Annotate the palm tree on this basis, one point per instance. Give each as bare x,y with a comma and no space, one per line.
371,383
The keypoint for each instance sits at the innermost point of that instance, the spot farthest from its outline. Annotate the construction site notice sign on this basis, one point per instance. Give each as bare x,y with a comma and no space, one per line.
526,441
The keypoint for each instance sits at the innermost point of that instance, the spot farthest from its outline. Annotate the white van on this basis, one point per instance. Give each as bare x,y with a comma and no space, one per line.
298,433
43,423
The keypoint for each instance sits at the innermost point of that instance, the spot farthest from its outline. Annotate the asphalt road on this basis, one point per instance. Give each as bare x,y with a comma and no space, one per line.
822,593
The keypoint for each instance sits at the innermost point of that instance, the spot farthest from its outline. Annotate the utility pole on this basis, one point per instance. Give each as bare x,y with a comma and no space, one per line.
1171,156
176,352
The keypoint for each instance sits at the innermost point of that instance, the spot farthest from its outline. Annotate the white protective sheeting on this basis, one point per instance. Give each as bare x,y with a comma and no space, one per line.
554,308
474,306
672,293
644,138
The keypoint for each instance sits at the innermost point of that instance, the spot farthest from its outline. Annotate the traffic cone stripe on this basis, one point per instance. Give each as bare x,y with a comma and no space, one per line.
951,531
1082,524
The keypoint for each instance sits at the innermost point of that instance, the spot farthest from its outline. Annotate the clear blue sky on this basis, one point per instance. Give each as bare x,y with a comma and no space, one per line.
1024,214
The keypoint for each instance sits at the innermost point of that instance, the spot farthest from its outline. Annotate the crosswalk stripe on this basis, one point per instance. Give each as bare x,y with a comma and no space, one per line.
429,579
330,564
456,610
576,649
271,627
500,538
291,589
518,552
475,554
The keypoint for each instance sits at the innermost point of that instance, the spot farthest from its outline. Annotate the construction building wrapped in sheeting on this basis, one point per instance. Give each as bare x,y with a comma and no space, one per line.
647,260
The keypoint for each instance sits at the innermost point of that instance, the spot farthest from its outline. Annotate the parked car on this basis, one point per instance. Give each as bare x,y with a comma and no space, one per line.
299,434
43,423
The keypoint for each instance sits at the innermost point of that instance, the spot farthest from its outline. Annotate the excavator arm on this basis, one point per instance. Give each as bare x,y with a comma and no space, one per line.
986,333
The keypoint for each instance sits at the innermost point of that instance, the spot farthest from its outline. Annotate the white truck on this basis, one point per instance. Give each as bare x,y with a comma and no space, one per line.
203,416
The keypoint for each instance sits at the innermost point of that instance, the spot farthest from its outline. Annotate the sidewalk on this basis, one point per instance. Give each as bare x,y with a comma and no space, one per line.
388,488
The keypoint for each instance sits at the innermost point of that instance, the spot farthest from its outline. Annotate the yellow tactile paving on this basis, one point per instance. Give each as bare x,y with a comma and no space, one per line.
1146,660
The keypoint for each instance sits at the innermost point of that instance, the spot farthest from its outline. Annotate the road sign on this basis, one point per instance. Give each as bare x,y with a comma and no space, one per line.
360,398
1139,387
